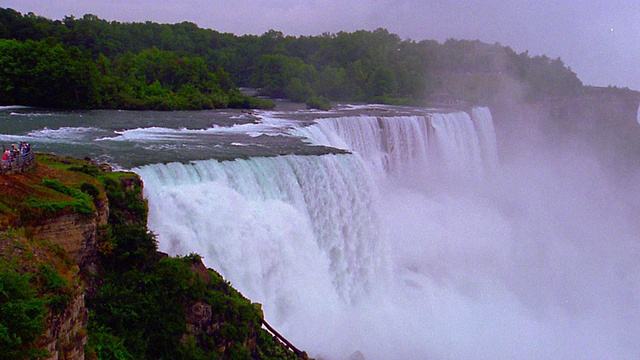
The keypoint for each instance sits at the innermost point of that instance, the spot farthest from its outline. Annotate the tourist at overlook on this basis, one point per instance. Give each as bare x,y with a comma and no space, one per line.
16,158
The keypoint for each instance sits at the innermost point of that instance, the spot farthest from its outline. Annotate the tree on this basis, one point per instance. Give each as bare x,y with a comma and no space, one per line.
45,73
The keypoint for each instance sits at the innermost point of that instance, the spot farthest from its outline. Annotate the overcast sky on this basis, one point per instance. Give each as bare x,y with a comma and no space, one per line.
598,39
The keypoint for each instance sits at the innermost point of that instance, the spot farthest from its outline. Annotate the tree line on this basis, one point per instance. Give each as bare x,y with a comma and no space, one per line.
89,62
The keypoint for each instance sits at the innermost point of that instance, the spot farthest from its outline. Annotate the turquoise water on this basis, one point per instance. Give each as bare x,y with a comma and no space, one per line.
128,139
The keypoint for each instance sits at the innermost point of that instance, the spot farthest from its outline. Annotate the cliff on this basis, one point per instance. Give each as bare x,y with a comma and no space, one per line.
79,264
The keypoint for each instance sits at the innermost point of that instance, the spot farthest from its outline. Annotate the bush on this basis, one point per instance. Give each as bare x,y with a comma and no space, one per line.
320,103
21,315
105,346
56,288
82,202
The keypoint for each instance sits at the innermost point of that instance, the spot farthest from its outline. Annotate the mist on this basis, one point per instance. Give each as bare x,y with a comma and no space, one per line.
539,261
533,257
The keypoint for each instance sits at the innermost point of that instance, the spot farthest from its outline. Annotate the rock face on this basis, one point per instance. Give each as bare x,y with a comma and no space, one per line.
66,333
76,233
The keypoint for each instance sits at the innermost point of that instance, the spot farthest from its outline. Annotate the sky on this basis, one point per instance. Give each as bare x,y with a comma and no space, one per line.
598,39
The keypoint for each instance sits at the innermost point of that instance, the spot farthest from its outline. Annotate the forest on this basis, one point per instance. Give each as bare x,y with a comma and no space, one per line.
91,63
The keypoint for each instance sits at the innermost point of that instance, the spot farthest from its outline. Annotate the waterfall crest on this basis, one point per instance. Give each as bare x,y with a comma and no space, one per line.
453,143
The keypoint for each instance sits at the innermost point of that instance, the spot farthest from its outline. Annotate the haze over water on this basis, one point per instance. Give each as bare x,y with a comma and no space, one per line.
418,244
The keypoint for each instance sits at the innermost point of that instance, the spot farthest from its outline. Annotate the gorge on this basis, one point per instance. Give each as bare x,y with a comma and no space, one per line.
392,231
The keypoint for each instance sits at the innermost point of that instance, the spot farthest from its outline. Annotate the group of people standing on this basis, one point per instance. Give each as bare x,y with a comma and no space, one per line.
16,158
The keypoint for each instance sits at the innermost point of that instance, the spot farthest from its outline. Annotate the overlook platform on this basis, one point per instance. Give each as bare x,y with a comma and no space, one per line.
17,163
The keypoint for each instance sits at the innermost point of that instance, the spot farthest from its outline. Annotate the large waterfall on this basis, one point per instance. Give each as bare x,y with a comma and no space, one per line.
415,244
396,145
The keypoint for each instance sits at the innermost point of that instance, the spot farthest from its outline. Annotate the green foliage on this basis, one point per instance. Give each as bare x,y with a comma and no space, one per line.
90,189
56,288
105,346
144,306
126,207
239,101
21,314
82,203
89,62
134,247
47,74
320,103
87,169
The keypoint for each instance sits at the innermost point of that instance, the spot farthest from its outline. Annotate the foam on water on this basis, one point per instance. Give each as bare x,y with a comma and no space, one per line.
533,262
68,134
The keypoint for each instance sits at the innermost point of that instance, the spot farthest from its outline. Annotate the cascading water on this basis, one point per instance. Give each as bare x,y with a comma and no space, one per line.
250,218
396,145
346,257
483,123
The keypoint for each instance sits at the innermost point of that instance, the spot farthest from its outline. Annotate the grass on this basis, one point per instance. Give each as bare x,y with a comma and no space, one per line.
56,185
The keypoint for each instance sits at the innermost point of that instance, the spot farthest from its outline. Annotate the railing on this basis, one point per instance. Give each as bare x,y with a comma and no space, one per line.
300,354
17,163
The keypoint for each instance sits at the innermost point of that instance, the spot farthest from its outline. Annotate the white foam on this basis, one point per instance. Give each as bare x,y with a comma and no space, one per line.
63,133
273,128
13,107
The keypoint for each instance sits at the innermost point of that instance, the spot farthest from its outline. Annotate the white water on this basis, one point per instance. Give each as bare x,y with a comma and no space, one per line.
418,245
161,133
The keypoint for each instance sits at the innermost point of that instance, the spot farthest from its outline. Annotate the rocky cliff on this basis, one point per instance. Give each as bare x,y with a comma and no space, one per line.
73,237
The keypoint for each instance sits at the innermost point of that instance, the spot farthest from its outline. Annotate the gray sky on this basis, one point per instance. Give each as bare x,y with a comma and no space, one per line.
598,39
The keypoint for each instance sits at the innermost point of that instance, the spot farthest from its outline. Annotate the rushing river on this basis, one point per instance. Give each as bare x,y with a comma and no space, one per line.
391,231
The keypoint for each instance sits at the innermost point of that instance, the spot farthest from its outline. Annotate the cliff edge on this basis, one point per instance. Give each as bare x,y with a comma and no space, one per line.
81,276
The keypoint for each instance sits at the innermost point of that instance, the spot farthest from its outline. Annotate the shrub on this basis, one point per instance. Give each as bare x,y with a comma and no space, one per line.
320,103
82,202
56,288
21,315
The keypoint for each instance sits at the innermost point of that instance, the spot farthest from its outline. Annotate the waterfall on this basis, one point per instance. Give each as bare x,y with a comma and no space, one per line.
483,124
453,143
538,260
252,218
290,230
387,144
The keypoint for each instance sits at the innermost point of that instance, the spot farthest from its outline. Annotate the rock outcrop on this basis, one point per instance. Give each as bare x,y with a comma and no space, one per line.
77,229
66,332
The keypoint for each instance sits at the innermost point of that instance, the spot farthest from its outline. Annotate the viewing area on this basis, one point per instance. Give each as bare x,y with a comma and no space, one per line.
17,159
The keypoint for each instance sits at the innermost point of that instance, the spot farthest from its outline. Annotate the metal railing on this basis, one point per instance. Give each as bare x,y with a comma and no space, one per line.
17,162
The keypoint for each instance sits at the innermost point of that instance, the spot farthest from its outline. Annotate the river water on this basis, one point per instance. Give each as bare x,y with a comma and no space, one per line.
390,231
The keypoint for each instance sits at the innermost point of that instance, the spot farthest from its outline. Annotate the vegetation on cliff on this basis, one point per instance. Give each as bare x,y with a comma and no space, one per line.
139,303
37,280
93,63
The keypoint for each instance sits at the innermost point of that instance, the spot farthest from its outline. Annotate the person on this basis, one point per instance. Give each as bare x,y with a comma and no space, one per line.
6,155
